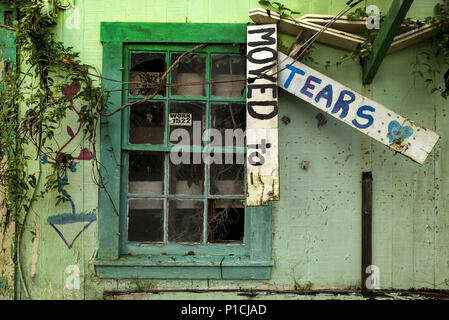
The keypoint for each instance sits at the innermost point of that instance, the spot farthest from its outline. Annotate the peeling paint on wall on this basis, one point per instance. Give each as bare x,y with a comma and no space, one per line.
73,281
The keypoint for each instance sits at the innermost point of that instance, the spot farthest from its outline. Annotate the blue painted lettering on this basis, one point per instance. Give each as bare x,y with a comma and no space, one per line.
308,85
364,116
326,93
294,71
343,104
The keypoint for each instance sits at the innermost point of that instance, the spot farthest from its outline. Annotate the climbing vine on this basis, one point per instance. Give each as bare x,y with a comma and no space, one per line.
46,82
279,8
50,78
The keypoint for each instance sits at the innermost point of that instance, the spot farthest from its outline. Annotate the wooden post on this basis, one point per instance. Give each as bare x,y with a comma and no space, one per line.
367,210
390,27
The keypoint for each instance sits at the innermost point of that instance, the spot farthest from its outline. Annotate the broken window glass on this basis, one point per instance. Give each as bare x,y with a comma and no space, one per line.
146,173
229,116
187,179
147,123
145,74
228,76
189,75
146,220
226,221
227,179
185,220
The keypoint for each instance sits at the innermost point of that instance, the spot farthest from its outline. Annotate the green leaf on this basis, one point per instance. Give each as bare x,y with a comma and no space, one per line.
264,2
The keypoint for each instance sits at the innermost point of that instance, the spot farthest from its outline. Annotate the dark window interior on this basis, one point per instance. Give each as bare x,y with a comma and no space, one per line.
8,21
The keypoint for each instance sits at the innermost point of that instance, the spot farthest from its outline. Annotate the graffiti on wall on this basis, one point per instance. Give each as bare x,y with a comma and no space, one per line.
85,219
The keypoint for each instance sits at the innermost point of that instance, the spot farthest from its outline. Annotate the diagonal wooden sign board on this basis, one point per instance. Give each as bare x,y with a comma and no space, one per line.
359,112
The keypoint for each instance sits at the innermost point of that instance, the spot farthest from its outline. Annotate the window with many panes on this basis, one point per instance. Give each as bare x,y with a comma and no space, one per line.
164,219
197,201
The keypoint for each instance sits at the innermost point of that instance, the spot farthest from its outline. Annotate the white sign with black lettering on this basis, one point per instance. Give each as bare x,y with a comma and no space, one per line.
180,119
262,115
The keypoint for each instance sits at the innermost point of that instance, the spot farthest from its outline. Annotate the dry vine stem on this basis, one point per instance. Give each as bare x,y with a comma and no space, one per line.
160,83
7,27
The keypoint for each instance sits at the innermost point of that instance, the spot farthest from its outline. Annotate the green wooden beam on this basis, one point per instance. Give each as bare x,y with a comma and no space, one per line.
145,32
387,32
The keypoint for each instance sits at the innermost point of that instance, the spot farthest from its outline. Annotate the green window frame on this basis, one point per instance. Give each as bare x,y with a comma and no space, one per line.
208,101
117,258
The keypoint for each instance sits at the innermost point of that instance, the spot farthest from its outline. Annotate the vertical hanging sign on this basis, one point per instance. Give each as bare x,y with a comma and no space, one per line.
262,116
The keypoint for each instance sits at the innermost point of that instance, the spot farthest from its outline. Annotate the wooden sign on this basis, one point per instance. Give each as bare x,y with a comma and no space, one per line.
262,115
361,113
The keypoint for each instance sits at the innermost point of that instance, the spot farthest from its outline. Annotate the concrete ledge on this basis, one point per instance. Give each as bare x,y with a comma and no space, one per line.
232,294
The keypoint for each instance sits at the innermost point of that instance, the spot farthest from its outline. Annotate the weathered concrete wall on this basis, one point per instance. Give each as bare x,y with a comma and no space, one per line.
316,223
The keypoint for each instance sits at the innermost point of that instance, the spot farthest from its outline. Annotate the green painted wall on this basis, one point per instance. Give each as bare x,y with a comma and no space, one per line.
317,223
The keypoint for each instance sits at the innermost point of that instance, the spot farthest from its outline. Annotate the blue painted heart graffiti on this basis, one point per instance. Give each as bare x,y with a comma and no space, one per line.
397,132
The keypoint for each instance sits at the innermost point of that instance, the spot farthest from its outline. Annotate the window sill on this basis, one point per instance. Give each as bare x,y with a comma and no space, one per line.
183,267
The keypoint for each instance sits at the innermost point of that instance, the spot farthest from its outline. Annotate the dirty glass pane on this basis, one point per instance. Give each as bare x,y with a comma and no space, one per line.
146,173
192,130
147,123
229,116
146,220
189,75
8,68
226,221
8,20
227,179
228,76
145,73
185,220
187,177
